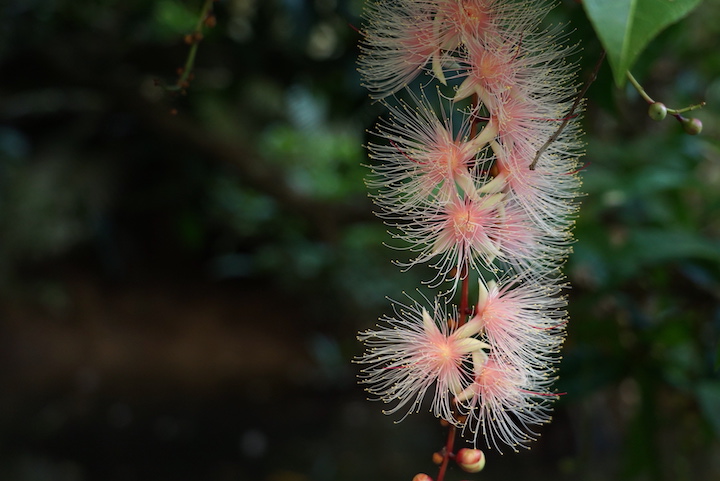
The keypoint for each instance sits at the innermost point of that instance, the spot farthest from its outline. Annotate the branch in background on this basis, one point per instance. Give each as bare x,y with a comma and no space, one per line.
327,217
206,19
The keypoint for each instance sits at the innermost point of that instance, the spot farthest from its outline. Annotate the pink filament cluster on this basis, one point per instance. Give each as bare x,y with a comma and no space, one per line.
451,174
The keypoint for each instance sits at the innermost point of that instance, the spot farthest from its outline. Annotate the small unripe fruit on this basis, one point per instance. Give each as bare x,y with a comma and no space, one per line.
657,111
691,126
422,477
470,460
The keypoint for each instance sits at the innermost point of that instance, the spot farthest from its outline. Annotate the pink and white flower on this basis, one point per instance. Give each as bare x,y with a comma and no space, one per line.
504,404
425,156
401,38
523,320
415,352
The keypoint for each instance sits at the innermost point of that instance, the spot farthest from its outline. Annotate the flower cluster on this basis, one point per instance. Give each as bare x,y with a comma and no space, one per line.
468,183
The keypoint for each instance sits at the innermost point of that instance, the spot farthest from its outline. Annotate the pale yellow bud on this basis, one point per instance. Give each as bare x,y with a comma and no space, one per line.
470,460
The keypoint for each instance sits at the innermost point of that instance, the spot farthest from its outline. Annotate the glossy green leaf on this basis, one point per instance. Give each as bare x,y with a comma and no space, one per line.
625,27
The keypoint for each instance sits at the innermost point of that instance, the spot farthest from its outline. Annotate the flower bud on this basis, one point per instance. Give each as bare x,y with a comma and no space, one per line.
470,460
691,126
438,458
422,477
210,21
657,111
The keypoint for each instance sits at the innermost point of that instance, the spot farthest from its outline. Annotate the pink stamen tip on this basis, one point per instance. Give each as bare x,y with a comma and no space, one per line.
585,166
394,144
517,50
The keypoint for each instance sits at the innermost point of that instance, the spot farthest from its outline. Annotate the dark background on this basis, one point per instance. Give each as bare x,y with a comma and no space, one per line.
182,276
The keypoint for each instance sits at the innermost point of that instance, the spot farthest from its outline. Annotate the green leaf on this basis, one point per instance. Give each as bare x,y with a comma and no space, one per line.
625,27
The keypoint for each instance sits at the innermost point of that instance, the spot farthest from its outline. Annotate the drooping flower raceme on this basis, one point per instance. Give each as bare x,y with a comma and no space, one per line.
467,183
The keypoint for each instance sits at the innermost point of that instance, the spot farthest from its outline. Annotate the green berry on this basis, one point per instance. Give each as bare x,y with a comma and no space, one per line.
691,126
657,111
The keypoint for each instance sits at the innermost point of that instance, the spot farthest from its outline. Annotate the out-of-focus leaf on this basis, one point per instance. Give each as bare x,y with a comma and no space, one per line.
625,27
660,244
708,395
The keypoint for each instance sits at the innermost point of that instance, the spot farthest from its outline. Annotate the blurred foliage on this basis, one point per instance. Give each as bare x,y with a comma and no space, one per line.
258,179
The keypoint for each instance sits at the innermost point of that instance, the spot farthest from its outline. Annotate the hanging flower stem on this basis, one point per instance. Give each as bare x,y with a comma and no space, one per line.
447,453
464,295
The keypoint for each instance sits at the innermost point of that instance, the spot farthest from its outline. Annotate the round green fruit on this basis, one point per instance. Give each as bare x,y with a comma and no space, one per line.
657,111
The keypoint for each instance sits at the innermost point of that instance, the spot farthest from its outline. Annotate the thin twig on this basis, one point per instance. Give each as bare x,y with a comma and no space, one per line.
194,40
570,115
650,100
